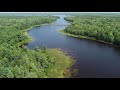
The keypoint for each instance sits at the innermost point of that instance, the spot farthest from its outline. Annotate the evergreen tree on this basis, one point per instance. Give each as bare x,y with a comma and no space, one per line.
44,48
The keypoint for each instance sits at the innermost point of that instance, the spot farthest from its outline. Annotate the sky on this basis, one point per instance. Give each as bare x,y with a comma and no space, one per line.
56,13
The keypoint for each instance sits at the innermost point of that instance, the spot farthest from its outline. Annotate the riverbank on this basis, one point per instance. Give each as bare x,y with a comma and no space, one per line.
26,34
85,37
62,62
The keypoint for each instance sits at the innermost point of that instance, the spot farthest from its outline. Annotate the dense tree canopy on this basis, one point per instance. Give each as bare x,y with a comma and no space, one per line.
17,61
106,28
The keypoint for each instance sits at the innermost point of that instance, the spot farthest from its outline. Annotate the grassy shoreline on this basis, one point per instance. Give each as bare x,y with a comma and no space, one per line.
26,34
85,37
63,62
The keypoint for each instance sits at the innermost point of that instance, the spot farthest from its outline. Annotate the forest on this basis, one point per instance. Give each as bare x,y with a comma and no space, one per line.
104,28
17,61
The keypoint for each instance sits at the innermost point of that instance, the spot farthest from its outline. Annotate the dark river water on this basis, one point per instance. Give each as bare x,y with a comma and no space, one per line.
93,59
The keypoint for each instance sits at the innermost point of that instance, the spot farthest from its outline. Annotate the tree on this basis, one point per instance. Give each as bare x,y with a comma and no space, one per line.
36,48
44,48
16,60
100,27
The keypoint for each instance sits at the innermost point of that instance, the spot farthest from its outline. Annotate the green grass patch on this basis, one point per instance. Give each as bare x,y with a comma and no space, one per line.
61,67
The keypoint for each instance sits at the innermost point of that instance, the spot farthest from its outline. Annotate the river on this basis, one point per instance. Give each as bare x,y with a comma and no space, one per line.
93,59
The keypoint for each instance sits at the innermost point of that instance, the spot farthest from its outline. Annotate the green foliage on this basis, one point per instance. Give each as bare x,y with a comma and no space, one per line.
44,48
61,63
16,60
105,28
36,48
70,19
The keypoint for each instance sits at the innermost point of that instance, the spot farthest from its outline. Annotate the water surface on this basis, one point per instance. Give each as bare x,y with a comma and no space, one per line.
93,59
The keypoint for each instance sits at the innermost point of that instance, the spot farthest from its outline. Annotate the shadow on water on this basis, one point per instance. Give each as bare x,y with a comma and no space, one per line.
93,59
